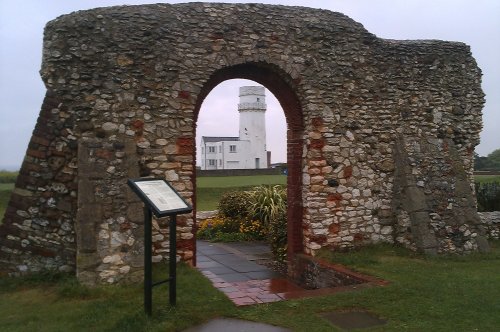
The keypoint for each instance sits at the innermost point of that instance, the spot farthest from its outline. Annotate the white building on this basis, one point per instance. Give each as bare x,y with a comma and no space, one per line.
248,151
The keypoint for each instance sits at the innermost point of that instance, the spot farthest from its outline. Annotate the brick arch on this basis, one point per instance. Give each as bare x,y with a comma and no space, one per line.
283,88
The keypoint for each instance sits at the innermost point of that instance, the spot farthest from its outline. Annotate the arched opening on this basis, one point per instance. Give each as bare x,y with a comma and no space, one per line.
282,87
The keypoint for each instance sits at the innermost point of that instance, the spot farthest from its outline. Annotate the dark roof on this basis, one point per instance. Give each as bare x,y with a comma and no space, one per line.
208,139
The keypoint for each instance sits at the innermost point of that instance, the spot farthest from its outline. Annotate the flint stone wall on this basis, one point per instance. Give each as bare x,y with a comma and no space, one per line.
491,221
380,142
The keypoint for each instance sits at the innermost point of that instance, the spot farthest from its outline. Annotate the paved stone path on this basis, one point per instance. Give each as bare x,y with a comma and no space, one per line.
232,269
231,324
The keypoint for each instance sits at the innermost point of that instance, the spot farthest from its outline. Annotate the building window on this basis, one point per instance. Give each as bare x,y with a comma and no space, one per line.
232,148
220,149
220,162
211,162
211,149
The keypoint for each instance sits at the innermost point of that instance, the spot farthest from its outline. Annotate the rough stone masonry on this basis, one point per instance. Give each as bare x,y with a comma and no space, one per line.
381,133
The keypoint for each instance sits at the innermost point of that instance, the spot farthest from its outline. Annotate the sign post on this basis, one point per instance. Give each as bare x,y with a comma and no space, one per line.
161,200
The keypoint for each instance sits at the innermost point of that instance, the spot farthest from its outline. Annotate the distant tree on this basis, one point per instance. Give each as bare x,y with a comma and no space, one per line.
488,163
494,160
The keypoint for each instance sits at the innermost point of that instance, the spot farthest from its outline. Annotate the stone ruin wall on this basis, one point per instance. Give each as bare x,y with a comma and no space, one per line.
383,132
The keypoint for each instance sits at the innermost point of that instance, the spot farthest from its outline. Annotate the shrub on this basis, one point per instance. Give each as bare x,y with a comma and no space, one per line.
221,229
208,228
251,215
253,228
234,205
276,235
232,237
488,196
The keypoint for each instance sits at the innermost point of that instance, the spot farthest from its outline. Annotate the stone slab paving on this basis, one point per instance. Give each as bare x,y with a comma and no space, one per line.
229,269
231,324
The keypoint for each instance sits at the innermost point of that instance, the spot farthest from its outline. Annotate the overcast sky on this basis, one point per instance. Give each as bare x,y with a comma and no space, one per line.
477,23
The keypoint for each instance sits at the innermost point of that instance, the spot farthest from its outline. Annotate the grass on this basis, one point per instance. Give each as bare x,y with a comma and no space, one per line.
7,180
61,304
458,293
487,178
238,181
5,190
210,189
424,294
8,176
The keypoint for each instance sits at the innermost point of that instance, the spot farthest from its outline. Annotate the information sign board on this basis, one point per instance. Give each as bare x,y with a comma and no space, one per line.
159,196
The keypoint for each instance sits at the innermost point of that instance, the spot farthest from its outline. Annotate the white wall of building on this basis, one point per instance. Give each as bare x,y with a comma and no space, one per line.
225,155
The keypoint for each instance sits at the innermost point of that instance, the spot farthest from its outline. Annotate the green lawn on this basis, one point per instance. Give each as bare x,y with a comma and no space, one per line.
424,294
8,176
487,178
238,181
210,189
5,190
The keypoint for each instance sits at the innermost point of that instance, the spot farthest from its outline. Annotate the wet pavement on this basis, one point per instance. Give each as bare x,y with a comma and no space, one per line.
234,262
231,324
232,268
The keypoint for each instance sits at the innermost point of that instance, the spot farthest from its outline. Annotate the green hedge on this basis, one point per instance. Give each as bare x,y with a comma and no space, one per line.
488,196
8,177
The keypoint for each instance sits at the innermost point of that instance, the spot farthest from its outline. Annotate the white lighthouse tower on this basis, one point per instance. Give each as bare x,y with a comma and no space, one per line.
252,108
248,150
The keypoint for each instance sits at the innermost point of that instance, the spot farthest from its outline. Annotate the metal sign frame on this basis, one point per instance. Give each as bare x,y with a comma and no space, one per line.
156,196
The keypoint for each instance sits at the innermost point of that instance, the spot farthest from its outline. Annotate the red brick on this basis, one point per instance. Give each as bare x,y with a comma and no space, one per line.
317,122
138,124
348,172
317,144
40,140
103,153
184,94
334,229
36,154
335,197
185,145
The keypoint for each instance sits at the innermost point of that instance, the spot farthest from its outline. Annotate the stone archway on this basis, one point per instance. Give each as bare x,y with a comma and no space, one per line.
381,138
281,85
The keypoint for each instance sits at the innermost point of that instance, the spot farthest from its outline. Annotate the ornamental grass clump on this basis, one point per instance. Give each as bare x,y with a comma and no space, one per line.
267,202
269,206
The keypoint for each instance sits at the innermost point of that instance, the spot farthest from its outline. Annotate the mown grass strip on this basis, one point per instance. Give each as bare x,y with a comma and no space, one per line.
487,178
239,181
451,293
